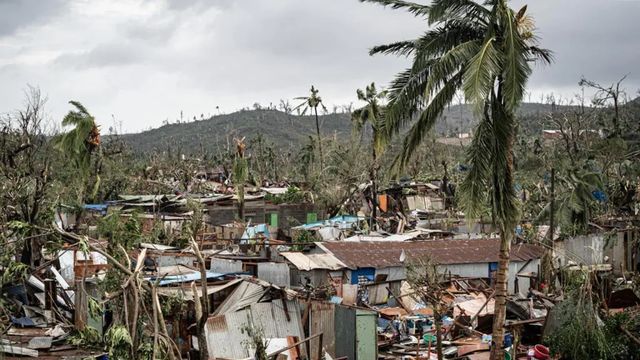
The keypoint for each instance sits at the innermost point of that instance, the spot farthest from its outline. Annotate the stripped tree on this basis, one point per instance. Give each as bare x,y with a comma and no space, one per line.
372,114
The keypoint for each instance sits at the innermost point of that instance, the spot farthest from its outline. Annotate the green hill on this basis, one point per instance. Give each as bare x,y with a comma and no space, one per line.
284,129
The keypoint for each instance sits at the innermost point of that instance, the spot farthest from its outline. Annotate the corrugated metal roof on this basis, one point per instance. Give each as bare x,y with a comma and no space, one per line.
308,262
380,254
187,294
244,295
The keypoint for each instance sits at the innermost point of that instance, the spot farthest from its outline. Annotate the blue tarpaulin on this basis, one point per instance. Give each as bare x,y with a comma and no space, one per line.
599,195
336,220
101,208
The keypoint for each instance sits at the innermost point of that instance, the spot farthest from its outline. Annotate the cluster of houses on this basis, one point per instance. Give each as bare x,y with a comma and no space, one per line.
324,287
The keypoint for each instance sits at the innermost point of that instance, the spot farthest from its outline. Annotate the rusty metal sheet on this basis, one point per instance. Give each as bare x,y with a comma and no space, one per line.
382,254
272,317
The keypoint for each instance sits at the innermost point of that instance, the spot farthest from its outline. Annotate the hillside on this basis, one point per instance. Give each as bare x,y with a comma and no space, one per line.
280,128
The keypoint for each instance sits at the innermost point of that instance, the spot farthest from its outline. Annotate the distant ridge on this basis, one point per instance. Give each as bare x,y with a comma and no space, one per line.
283,129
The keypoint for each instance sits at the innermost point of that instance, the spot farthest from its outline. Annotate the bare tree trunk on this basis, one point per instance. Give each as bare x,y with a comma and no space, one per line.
241,202
438,323
204,301
315,109
501,290
374,190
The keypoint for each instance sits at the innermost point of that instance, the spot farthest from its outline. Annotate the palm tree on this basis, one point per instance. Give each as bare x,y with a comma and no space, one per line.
372,113
81,142
312,102
484,50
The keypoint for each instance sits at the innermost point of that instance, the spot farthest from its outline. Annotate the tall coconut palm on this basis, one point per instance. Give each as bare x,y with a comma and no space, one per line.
372,114
484,50
311,103
81,142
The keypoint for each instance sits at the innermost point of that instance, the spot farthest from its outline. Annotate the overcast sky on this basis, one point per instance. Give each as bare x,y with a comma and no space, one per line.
142,62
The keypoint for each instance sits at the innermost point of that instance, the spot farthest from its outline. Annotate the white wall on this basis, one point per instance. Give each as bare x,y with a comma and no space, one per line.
475,270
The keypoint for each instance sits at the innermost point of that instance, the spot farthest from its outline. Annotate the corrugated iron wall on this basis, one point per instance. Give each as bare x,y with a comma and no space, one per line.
226,266
275,273
225,337
224,332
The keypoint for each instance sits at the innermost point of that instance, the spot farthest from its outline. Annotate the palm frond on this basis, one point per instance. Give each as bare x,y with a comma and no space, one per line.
405,98
414,8
516,67
539,54
446,9
402,48
480,75
443,38
473,190
450,63
503,191
425,122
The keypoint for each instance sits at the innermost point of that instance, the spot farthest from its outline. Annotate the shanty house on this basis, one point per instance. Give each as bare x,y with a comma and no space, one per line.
385,261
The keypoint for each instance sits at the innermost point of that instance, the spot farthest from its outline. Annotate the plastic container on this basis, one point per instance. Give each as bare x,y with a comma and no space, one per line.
429,338
508,340
541,352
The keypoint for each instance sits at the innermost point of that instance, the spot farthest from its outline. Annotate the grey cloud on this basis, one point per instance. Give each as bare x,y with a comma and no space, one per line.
192,55
104,55
595,39
182,5
18,14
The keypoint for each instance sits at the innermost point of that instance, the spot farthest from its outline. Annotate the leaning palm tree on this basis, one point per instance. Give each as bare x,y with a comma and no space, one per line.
484,50
311,103
81,142
372,114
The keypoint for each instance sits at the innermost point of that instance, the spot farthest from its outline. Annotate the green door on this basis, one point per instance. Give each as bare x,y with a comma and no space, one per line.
366,335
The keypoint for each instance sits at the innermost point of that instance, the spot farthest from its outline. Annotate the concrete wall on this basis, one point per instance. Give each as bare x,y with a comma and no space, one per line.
259,212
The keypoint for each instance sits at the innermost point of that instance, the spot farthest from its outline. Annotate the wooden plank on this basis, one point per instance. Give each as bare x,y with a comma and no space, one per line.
523,322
